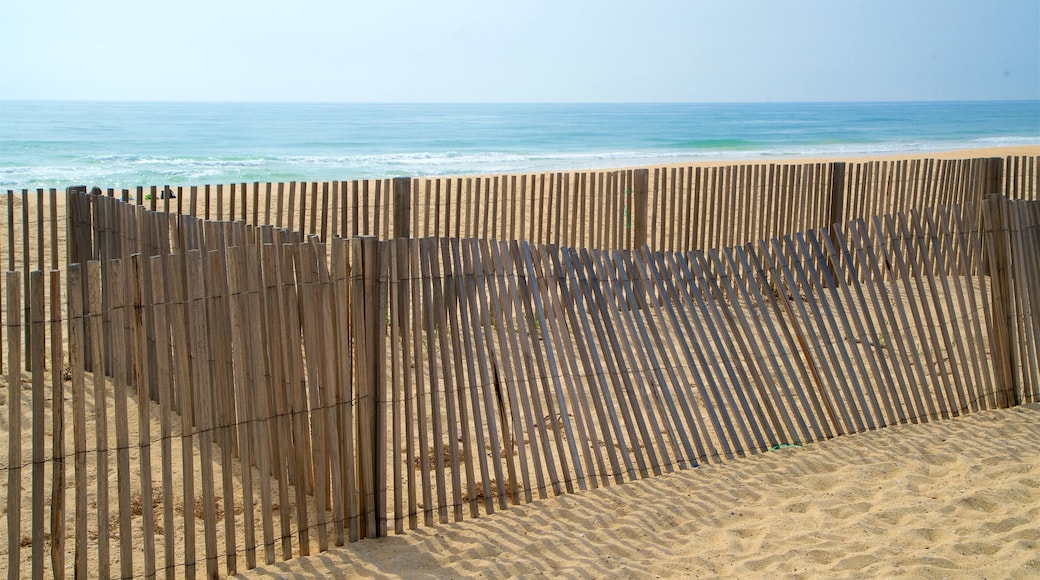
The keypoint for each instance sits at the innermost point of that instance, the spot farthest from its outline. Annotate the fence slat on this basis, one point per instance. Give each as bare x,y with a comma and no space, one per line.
138,302
14,422
79,417
243,397
118,290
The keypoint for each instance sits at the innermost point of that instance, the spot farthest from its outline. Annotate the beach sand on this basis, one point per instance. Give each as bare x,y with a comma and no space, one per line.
949,499
959,498
975,153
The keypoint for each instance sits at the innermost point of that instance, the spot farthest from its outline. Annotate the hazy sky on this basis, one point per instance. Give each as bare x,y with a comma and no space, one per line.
518,51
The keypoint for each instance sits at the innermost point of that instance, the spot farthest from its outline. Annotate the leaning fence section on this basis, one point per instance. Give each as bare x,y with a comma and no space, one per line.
231,395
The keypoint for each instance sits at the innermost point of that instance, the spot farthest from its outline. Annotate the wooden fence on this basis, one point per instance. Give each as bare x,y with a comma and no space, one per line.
268,394
674,209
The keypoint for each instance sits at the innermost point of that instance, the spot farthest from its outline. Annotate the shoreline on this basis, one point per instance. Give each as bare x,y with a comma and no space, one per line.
692,161
1002,151
962,153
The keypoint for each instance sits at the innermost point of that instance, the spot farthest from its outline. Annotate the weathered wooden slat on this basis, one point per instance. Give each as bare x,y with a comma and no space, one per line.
163,370
398,362
116,287
243,398
457,381
14,421
778,349
79,417
224,415
1023,232
174,279
1029,237
203,399
37,346
891,294
782,429
742,337
139,301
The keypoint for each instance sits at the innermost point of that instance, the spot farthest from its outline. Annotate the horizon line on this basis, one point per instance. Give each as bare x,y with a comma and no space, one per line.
495,102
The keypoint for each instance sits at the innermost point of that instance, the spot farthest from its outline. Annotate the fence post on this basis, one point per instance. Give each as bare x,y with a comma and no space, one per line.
79,251
74,217
836,213
995,177
402,207
640,211
837,194
996,236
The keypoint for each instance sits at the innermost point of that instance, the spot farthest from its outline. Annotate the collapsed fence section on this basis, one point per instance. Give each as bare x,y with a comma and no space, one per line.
261,396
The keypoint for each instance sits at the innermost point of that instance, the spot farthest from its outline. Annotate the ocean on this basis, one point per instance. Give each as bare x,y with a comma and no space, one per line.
126,144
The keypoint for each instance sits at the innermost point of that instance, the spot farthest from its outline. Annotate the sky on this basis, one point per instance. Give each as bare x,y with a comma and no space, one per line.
520,51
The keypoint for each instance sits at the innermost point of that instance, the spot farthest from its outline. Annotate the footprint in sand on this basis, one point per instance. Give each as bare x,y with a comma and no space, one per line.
976,503
857,562
976,548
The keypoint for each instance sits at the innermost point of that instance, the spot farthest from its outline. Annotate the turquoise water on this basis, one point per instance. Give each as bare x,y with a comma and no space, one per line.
118,144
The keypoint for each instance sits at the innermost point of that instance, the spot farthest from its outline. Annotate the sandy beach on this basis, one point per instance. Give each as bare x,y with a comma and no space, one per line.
971,153
949,499
705,290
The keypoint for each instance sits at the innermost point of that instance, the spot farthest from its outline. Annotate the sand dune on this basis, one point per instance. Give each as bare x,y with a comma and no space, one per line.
950,499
